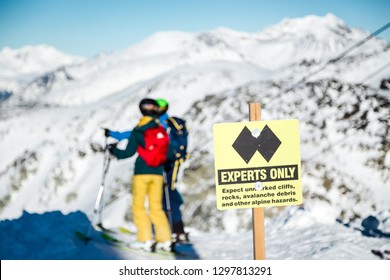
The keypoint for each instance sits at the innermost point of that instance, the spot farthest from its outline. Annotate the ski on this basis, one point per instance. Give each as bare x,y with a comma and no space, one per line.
175,253
179,250
117,238
105,233
82,236
128,247
104,238
110,238
118,230
126,231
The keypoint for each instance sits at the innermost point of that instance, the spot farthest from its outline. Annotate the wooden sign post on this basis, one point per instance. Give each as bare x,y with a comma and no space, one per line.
257,213
257,165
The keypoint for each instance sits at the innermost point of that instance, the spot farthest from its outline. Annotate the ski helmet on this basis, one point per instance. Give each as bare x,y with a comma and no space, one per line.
163,104
149,107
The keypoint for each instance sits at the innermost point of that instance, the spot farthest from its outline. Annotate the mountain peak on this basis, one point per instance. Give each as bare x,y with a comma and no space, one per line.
328,20
320,27
30,61
36,50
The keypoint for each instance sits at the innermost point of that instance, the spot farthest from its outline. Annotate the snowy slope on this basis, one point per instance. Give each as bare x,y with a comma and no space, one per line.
49,128
295,234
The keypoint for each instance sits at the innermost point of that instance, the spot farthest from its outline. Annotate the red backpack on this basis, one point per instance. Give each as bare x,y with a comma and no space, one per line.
156,146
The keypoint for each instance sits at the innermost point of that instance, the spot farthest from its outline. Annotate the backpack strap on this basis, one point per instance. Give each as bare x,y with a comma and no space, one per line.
175,124
176,166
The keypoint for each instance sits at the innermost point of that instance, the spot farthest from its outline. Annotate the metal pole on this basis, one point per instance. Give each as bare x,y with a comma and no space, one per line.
167,201
98,207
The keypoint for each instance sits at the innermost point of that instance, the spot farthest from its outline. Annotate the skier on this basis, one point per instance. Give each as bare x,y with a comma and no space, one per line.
172,198
147,180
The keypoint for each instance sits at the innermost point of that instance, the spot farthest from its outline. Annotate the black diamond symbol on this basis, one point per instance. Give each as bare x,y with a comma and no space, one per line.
268,143
246,145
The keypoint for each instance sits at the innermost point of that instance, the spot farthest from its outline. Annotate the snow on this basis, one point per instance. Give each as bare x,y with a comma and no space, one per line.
296,234
33,60
53,110
21,66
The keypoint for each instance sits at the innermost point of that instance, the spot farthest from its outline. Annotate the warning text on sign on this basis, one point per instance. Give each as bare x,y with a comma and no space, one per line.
277,194
261,174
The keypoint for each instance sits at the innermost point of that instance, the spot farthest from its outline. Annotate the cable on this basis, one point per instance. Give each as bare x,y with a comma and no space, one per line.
333,60
358,44
375,73
344,139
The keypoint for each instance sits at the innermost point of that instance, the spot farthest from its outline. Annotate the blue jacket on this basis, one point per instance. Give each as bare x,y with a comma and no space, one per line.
121,135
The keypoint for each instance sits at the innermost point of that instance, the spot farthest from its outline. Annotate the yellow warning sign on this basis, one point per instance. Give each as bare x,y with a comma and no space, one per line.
257,164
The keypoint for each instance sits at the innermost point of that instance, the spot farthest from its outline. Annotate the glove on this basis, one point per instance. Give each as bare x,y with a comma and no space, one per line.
110,147
106,132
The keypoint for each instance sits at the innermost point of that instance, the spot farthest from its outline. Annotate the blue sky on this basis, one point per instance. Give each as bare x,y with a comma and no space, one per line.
88,27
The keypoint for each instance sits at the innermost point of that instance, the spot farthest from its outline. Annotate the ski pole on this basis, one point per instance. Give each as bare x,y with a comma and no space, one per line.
98,207
167,201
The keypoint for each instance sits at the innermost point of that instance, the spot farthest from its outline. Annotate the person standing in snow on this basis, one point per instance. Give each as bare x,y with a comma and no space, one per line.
146,183
172,198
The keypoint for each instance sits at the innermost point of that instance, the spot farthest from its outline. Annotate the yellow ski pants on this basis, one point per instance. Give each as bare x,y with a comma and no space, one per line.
151,187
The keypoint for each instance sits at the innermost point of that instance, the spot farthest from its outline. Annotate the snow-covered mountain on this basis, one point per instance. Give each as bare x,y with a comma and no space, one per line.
50,123
20,66
226,55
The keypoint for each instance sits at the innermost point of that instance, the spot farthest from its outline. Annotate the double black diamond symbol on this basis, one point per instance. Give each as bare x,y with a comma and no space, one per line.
266,143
